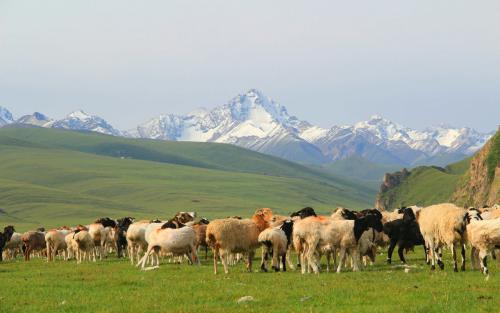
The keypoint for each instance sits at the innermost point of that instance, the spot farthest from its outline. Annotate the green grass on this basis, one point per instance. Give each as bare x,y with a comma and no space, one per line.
427,185
116,286
53,177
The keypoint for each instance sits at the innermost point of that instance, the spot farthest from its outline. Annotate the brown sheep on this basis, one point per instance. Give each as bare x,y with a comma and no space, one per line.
33,241
227,236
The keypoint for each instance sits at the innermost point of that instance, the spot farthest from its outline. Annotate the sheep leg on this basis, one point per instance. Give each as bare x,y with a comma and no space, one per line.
390,250
283,262
215,252
290,263
440,258
328,257
473,261
263,260
401,254
341,259
303,261
432,249
276,261
223,257
249,261
355,259
462,267
483,256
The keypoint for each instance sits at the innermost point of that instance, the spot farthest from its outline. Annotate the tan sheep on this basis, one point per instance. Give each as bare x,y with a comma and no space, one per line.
33,241
85,246
226,236
55,241
136,239
443,225
276,241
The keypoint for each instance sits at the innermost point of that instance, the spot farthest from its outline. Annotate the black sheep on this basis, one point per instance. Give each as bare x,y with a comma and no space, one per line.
120,237
404,232
8,231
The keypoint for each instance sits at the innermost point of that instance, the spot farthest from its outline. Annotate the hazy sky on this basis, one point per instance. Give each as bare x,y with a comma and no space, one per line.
418,63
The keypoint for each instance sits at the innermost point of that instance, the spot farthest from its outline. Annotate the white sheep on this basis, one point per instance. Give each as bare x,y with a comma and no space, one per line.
136,239
275,241
180,241
230,235
315,235
443,225
483,236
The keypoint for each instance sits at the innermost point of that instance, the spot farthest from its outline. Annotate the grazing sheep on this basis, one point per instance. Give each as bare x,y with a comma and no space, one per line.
231,235
85,246
136,239
120,235
314,235
482,235
276,241
405,233
201,237
179,241
5,237
443,225
55,241
33,241
13,247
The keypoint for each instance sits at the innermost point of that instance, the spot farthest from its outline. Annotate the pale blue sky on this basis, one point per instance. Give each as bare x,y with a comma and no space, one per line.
328,62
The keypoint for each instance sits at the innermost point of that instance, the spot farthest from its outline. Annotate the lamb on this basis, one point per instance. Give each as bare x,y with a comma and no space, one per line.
314,235
179,241
5,237
33,241
483,236
443,225
55,241
230,235
201,234
276,241
405,233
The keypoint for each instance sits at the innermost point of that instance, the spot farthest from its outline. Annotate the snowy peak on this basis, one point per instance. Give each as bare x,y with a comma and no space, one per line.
5,116
79,120
37,119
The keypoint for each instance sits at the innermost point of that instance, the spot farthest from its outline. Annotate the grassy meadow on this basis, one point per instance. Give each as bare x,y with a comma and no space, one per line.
115,285
54,177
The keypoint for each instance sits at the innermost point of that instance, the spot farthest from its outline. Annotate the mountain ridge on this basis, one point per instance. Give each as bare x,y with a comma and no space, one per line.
257,122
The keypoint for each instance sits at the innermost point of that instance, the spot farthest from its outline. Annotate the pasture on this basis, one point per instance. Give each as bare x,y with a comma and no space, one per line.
114,285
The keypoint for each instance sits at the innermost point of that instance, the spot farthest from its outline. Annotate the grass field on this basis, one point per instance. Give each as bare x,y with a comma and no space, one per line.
53,177
116,286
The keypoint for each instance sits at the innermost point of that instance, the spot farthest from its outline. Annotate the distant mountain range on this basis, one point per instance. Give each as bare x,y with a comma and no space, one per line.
254,121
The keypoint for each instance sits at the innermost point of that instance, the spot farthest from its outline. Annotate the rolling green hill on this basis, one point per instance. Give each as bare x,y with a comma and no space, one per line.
50,177
424,185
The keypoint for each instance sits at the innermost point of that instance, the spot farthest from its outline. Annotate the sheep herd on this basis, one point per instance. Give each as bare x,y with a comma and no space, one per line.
346,236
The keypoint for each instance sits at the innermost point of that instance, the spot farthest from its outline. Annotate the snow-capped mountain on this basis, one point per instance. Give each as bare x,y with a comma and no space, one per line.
251,120
257,122
37,119
79,120
5,117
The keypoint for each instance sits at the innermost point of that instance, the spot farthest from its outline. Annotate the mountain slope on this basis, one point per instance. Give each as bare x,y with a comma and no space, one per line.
5,117
472,181
49,177
481,184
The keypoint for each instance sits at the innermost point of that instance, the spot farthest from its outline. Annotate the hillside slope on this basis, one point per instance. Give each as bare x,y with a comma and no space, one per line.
481,184
50,177
423,185
471,182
